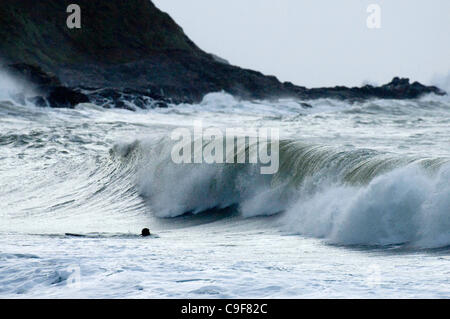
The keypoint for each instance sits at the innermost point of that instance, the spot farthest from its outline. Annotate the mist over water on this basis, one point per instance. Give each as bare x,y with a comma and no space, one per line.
9,86
373,175
442,81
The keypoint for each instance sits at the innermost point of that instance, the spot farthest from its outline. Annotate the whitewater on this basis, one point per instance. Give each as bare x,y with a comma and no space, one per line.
360,205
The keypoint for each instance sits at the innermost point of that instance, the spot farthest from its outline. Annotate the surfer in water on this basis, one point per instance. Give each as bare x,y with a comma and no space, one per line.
144,233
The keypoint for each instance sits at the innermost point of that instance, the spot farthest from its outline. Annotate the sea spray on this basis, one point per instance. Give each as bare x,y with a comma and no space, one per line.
407,205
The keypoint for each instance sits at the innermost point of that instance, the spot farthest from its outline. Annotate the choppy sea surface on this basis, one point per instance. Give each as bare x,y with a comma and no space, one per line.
360,205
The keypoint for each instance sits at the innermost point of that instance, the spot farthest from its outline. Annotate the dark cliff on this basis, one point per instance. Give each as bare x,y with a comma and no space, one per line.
132,45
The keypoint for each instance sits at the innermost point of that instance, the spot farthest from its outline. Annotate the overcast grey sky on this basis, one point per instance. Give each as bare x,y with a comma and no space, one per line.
322,42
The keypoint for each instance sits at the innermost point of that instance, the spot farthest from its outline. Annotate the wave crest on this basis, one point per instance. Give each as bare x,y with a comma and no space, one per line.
347,197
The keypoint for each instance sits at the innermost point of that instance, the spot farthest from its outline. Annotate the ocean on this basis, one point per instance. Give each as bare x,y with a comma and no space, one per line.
359,206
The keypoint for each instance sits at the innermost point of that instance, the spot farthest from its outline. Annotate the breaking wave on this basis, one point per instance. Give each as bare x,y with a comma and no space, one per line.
350,197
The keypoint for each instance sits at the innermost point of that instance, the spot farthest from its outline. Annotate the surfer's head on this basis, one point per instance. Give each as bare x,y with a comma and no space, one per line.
145,232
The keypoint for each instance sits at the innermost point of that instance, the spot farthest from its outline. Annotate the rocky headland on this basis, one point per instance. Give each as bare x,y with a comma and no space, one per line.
129,54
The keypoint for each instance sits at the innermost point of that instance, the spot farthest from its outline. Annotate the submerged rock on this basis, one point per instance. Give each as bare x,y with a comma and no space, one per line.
60,97
126,99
